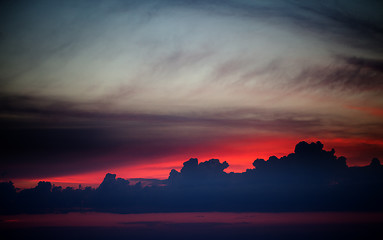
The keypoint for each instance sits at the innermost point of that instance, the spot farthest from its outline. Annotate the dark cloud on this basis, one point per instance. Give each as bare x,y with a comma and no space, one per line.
110,183
34,111
346,22
348,74
309,164
45,136
375,65
33,142
310,179
196,174
356,23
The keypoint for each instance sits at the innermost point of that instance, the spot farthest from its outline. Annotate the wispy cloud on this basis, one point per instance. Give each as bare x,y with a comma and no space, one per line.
173,75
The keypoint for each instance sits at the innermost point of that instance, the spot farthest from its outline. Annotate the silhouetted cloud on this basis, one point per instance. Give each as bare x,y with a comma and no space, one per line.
197,174
135,78
48,131
309,163
103,85
110,183
310,179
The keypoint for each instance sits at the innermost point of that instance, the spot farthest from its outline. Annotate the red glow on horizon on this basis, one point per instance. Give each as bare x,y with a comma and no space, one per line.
239,153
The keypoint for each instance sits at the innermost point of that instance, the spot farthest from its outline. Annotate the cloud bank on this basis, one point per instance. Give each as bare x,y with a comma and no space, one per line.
310,179
93,85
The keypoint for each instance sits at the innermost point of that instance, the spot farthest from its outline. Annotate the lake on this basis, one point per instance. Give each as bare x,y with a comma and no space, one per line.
194,225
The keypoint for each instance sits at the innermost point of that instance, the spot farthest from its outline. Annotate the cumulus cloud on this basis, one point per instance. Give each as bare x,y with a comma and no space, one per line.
310,179
194,173
137,81
307,156
48,131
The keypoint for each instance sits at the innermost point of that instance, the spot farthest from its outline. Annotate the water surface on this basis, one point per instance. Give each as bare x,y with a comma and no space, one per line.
195,225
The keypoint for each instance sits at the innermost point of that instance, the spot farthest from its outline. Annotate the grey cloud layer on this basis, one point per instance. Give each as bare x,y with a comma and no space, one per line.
95,77
43,137
77,32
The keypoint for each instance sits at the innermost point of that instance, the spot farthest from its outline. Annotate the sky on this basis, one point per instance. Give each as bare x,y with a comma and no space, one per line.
138,87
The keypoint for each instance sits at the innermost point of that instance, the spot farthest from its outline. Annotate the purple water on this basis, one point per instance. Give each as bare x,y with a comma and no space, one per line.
196,225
